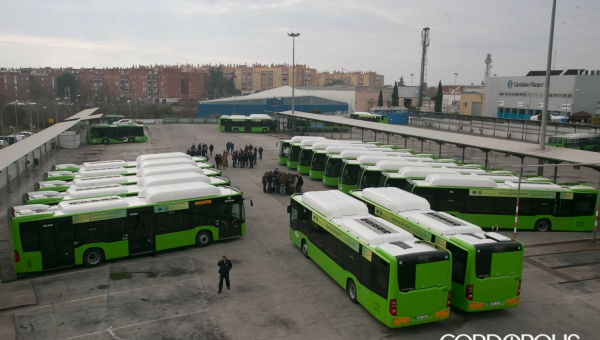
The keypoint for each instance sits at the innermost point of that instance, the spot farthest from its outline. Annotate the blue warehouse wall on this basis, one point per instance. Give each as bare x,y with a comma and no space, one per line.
267,106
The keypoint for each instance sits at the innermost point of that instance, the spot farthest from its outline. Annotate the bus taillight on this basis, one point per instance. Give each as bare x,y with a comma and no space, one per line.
469,293
393,308
449,301
519,289
17,257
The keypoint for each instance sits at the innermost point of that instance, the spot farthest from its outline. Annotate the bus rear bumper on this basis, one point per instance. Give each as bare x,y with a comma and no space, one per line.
399,322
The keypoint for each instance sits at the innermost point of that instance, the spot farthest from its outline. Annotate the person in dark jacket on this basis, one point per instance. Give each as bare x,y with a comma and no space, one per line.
218,160
224,268
265,181
211,148
255,158
299,184
260,151
250,160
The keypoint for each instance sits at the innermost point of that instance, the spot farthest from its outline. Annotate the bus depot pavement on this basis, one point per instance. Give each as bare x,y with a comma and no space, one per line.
275,292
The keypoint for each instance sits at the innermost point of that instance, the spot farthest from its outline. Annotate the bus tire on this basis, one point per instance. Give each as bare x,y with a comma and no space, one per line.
130,140
236,130
351,289
265,130
304,248
203,238
542,225
105,141
93,257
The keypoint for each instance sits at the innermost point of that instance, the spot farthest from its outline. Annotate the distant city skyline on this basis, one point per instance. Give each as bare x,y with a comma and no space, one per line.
378,36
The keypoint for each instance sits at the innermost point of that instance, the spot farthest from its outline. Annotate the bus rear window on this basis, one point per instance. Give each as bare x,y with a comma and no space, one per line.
422,270
497,259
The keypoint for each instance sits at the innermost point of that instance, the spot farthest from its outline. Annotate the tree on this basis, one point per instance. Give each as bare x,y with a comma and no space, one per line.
438,98
67,80
402,81
315,111
380,100
334,82
219,84
395,98
161,111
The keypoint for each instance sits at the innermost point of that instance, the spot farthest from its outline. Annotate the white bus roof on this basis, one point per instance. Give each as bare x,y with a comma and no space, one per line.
260,116
534,185
460,181
422,172
359,152
334,204
99,180
65,166
328,142
498,178
175,192
161,156
373,159
298,139
164,162
161,170
464,170
398,164
52,184
95,191
85,172
395,199
184,177
104,164
322,145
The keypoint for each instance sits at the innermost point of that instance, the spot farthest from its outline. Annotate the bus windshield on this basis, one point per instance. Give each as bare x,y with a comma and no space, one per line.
318,162
370,179
422,270
497,259
294,153
350,173
283,150
305,157
333,167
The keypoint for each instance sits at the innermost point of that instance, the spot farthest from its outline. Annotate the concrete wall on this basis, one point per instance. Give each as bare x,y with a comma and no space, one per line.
23,164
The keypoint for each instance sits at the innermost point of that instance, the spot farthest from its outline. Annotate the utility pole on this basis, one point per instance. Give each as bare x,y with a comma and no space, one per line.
293,35
425,45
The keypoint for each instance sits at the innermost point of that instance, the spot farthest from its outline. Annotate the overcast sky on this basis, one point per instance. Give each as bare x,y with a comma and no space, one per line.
378,35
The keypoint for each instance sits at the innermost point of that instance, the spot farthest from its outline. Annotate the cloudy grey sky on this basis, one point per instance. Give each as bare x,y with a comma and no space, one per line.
378,35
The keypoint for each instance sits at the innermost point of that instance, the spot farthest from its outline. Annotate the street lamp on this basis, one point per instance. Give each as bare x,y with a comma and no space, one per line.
567,106
293,35
15,103
454,99
129,106
78,103
529,106
44,116
411,77
31,105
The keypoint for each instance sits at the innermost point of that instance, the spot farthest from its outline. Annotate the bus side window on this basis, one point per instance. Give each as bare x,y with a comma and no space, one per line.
584,204
304,221
200,215
381,276
504,205
459,263
30,238
294,216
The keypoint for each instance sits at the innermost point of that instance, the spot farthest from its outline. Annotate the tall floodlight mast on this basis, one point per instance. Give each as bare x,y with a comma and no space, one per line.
425,45
488,67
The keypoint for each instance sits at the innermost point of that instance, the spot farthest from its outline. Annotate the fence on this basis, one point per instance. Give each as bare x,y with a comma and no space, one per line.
34,158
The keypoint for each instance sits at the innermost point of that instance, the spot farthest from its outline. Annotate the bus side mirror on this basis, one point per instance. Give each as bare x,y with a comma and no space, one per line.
251,203
289,209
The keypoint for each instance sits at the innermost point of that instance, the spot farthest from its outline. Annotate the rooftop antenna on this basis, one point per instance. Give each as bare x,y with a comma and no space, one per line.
425,45
488,67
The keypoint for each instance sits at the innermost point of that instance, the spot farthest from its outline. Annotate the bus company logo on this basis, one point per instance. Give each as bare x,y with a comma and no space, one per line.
510,84
510,337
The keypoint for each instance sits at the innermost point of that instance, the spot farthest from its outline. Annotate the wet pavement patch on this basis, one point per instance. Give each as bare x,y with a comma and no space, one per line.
129,275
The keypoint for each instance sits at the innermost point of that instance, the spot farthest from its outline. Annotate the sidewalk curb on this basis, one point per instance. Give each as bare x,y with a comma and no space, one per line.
558,242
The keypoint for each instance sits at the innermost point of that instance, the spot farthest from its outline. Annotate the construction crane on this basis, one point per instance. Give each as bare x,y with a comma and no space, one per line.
425,45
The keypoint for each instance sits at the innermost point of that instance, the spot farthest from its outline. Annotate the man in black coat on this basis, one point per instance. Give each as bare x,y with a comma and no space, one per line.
224,268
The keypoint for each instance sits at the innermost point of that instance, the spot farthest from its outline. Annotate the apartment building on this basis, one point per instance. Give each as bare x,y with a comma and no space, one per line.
356,78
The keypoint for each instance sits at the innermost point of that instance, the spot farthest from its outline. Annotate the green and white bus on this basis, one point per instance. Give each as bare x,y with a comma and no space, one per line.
312,126
92,230
203,168
400,280
322,151
284,146
370,117
297,148
579,141
117,133
400,179
351,168
487,267
307,148
482,201
334,163
252,123
125,164
80,192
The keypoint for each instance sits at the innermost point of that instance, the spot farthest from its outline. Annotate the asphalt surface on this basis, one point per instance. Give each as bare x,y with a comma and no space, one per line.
276,293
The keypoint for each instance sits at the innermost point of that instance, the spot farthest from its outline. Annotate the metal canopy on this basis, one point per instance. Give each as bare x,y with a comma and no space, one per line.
520,149
12,153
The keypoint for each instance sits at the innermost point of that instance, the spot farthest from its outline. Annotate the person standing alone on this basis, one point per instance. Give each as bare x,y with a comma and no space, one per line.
224,268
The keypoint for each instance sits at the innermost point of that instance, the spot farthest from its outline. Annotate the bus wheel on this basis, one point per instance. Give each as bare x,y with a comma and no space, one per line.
130,140
542,225
265,130
203,239
236,130
305,249
93,257
105,141
351,289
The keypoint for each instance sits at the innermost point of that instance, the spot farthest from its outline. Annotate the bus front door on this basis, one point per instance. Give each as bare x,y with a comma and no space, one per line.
139,231
57,244
227,219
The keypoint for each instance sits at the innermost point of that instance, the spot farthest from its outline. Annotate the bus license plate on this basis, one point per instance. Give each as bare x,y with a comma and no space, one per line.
497,303
422,317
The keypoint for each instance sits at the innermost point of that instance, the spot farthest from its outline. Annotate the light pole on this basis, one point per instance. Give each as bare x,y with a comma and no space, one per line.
129,107
15,103
293,35
529,106
234,98
454,99
547,85
78,103
31,105
137,117
44,116
56,108
411,77
567,106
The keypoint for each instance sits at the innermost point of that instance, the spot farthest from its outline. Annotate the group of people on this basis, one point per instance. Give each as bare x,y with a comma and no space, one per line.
282,183
200,150
247,157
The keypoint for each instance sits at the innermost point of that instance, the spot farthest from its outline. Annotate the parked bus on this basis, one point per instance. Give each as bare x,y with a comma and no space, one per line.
351,168
122,133
92,230
307,148
321,152
400,179
482,201
487,267
79,192
400,280
284,146
296,148
203,168
334,162
370,117
312,126
579,141
252,123
121,163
